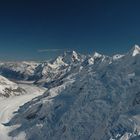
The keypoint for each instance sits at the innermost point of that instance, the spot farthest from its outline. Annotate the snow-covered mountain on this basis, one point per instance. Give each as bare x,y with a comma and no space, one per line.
33,71
94,97
58,69
18,70
9,88
47,73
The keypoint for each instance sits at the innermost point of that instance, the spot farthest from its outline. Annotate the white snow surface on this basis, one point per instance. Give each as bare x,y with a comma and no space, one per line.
95,97
9,88
136,50
9,105
117,56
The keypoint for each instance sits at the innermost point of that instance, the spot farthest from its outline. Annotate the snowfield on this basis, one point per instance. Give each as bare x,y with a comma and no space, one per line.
9,88
8,107
91,97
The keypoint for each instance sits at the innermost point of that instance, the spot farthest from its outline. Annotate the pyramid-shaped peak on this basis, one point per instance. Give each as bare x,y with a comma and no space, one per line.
136,46
70,53
135,50
71,56
97,55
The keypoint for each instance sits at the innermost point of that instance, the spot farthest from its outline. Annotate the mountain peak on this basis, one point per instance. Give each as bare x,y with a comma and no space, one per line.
71,56
71,53
135,50
97,55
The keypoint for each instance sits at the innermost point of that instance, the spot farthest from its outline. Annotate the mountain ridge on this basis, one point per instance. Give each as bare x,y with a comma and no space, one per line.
99,100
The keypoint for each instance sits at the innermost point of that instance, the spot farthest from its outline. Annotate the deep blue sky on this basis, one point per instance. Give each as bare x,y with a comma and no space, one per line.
107,26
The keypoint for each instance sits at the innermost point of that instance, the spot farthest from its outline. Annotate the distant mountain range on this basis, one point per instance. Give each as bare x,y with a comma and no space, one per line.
9,88
89,97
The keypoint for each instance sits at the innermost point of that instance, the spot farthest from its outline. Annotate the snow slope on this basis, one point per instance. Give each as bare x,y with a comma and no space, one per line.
18,70
42,72
9,106
9,88
99,100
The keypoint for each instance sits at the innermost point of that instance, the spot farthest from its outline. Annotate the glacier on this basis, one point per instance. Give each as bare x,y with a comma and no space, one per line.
86,97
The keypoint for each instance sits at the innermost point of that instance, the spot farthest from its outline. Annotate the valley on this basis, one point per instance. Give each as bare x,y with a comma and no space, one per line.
72,97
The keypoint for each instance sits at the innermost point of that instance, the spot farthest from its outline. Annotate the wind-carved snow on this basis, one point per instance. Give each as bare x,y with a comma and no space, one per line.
94,97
